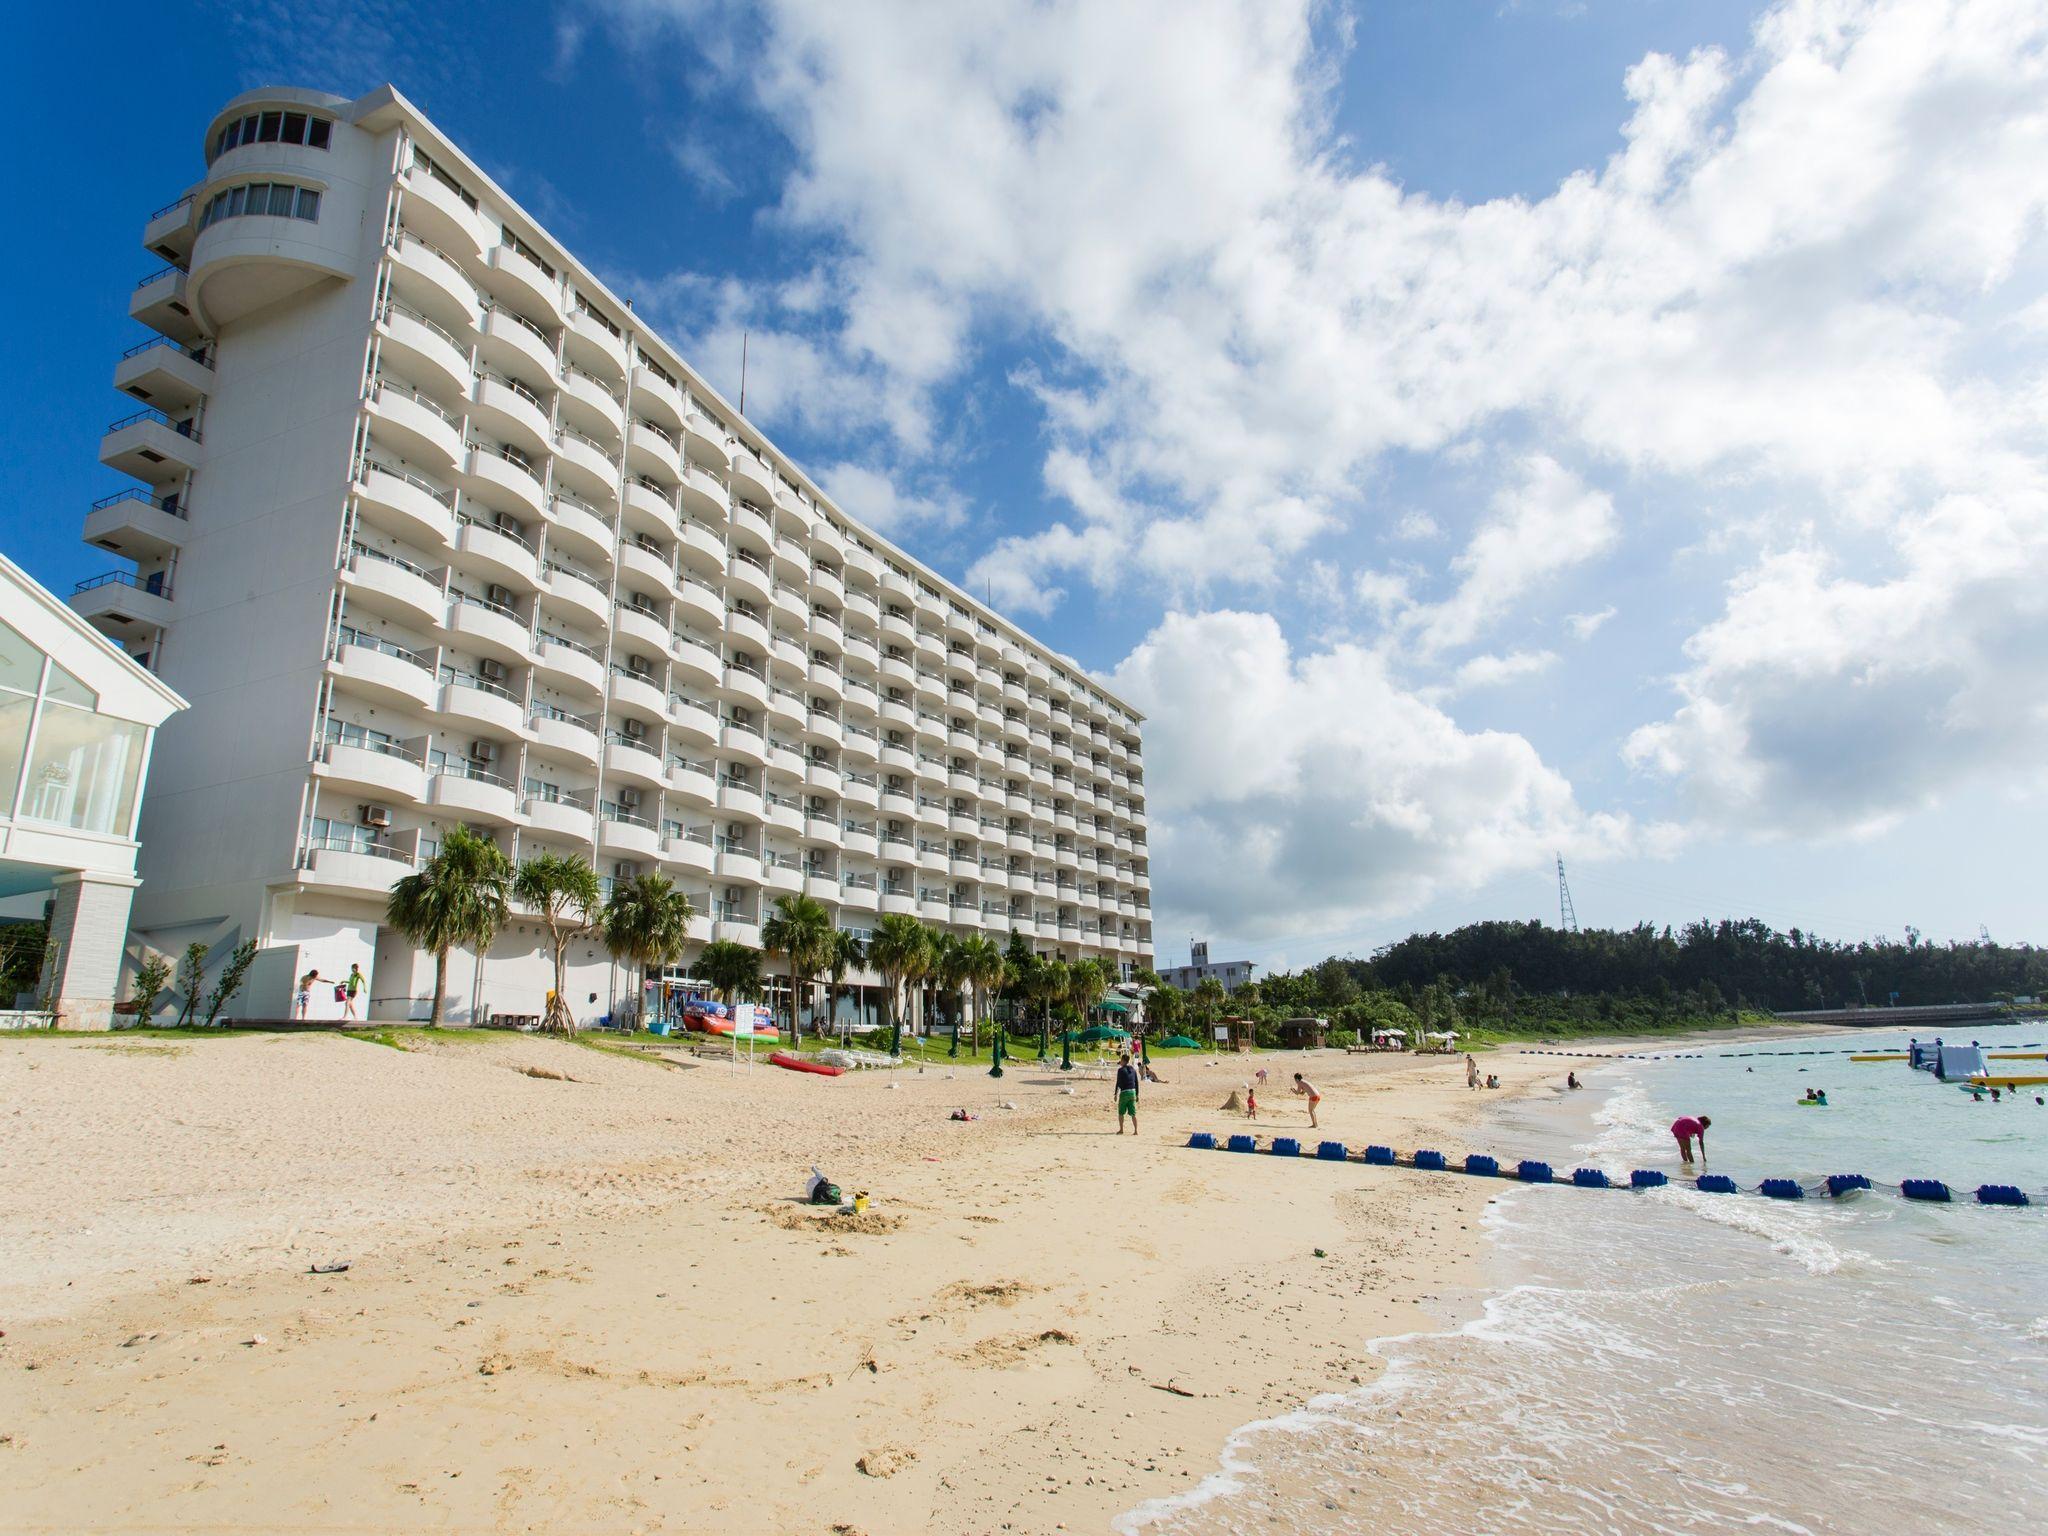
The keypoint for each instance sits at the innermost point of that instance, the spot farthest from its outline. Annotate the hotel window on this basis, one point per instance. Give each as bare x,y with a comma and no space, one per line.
65,763
274,128
278,200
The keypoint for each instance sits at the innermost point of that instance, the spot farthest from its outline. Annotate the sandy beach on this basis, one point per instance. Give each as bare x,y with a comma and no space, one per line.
593,1302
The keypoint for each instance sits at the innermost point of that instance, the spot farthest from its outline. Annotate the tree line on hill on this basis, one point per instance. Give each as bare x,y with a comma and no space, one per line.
1527,976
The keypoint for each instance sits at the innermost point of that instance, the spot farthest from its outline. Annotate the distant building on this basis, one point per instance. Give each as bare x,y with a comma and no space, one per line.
1232,973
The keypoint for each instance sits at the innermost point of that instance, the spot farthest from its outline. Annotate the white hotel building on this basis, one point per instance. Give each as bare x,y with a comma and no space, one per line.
430,530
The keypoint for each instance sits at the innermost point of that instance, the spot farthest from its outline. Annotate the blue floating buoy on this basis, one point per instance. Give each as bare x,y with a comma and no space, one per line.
1529,1171
1331,1151
2001,1194
1589,1178
1486,1167
1204,1140
1715,1184
1647,1178
1840,1184
1380,1157
1782,1189
1925,1189
1429,1160
1286,1146
1244,1144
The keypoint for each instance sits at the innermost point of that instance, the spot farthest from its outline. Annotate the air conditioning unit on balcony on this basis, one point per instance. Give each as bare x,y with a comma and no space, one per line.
625,869
629,797
504,522
639,666
733,893
491,671
635,728
643,602
500,595
375,815
483,751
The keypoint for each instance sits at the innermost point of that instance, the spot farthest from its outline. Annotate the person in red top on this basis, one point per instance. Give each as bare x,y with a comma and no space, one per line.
1688,1129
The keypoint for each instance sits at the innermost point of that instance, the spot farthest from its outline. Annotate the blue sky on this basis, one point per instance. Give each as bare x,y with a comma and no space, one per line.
1471,431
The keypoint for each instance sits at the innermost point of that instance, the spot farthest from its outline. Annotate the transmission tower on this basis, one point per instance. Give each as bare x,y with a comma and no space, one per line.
1567,919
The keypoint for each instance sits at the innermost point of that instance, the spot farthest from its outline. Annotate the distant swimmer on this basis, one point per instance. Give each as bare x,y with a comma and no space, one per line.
1571,1080
1815,1096
1688,1129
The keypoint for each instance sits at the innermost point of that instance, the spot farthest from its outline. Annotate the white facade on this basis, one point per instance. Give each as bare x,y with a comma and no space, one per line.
77,719
431,531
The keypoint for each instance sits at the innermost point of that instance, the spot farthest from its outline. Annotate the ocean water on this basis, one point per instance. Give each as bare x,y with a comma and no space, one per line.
1676,1362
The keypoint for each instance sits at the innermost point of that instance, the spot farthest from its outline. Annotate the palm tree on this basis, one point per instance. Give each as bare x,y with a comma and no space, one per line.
988,968
1086,982
1048,986
563,890
459,896
897,950
646,922
918,973
731,968
846,953
950,968
1209,996
801,932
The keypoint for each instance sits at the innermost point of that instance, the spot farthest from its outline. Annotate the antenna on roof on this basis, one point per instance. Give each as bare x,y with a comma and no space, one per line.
743,373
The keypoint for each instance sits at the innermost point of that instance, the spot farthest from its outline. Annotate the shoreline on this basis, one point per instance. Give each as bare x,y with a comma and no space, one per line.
597,1304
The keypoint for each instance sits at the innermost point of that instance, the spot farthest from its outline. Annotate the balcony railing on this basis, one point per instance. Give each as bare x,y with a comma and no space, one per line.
160,272
369,642
445,498
151,413
158,585
170,506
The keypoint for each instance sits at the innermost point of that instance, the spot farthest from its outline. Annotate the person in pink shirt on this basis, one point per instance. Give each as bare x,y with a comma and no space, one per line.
1688,1129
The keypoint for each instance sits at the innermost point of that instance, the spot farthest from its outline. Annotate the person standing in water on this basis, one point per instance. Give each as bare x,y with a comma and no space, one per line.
1688,1129
1126,1094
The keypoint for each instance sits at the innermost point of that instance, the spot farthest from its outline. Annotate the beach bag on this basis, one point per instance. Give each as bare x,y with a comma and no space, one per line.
825,1193
341,994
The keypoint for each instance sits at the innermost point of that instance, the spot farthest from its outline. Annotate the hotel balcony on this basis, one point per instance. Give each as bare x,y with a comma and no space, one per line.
359,868
162,373
137,525
170,230
123,606
162,301
365,765
151,447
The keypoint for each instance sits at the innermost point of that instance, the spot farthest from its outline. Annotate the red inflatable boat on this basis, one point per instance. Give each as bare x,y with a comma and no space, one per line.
796,1063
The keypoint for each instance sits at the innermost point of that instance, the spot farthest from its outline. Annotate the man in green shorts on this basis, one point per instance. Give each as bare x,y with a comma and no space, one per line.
1126,1094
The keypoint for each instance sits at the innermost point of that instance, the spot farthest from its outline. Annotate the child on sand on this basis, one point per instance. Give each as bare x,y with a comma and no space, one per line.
1251,1102
305,994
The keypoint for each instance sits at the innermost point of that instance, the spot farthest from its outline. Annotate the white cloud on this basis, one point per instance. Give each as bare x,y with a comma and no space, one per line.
1583,626
1416,526
1491,671
1309,790
877,500
1544,522
1810,281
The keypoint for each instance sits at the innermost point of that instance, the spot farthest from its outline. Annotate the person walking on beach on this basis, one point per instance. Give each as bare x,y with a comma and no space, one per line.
350,988
1688,1129
305,1000
1304,1087
1126,1094
1471,1072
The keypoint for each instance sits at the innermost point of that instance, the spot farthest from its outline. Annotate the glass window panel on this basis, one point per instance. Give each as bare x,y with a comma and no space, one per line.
317,131
309,203
235,196
69,689
82,771
16,710
266,131
294,131
21,664
281,199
